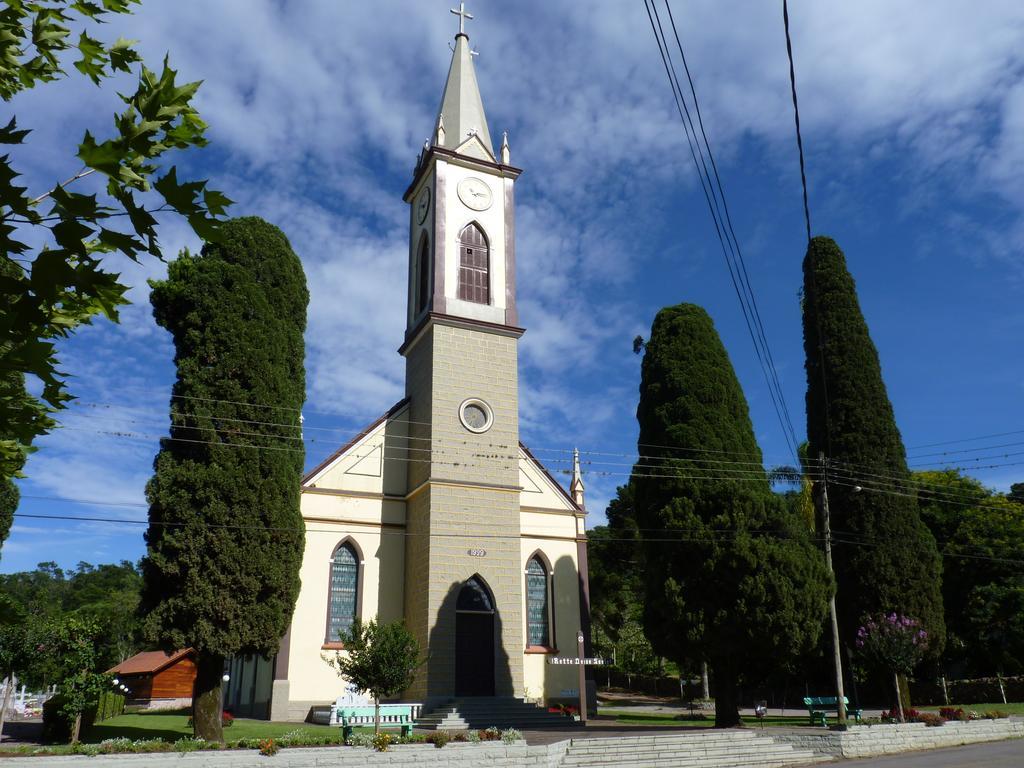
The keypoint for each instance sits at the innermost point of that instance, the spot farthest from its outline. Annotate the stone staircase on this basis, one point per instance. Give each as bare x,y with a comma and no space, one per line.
483,712
707,749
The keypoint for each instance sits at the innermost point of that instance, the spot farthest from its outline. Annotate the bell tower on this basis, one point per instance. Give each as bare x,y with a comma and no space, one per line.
461,350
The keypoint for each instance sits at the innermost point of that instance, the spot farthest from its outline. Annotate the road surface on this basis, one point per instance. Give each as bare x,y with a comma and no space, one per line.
996,754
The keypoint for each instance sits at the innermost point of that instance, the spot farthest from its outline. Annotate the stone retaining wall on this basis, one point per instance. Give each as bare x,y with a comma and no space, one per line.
874,740
453,755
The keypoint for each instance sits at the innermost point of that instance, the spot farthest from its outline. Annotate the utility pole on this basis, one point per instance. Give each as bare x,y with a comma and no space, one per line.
840,697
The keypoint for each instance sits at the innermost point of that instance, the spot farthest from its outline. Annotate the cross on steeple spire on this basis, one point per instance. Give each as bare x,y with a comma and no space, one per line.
463,14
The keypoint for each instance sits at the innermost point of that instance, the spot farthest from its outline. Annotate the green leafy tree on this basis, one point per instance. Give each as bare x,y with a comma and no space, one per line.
887,560
9,497
50,288
106,594
17,650
730,571
70,644
982,535
617,590
895,643
379,659
1016,493
226,537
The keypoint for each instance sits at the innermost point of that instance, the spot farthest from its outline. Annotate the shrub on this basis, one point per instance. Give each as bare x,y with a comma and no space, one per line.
460,736
511,736
227,719
56,725
381,741
268,747
360,740
490,734
188,744
930,719
474,737
439,738
953,713
995,714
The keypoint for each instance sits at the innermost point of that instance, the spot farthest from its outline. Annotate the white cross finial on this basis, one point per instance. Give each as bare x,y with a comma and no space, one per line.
463,15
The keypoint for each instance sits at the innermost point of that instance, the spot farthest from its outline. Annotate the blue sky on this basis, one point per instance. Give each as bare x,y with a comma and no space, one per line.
913,119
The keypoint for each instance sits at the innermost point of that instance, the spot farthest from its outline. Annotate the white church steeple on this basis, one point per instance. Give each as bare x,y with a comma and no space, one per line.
462,228
461,116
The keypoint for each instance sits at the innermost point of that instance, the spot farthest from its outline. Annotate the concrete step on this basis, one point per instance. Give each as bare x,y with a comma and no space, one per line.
719,749
505,712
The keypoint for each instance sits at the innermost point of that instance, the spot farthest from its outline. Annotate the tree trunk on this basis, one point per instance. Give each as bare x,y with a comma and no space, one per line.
376,715
6,701
899,696
727,714
76,728
206,698
1002,690
705,685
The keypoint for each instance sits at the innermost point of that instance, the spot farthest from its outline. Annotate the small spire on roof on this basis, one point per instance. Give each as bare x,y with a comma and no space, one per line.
506,154
439,136
576,485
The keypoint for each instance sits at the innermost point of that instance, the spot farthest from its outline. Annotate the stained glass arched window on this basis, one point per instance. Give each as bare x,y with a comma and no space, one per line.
474,266
537,604
341,603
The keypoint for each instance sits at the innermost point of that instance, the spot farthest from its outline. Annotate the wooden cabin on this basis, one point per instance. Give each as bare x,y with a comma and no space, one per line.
154,676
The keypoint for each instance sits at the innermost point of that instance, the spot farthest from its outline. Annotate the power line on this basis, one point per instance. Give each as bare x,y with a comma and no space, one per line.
796,116
967,439
727,247
725,536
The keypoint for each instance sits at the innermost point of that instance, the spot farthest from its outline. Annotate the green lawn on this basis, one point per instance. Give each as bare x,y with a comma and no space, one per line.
173,725
684,721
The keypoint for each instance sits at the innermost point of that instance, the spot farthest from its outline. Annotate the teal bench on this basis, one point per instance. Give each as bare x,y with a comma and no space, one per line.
817,706
391,715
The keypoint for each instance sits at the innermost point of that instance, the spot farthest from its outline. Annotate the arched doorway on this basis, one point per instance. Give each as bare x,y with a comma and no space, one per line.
474,640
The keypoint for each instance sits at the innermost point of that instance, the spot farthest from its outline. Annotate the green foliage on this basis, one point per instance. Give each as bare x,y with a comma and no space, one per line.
731,574
59,283
107,595
982,534
888,561
226,537
9,498
379,659
617,589
1016,493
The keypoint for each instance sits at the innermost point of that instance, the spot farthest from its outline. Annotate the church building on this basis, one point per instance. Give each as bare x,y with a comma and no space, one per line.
437,513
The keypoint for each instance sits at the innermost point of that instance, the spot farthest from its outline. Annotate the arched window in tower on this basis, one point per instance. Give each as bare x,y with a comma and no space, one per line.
537,604
474,266
423,276
344,590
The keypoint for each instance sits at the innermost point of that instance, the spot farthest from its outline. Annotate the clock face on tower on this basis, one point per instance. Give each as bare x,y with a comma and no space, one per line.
423,205
475,193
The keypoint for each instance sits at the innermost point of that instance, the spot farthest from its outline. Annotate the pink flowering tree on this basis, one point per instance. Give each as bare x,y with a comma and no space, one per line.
894,642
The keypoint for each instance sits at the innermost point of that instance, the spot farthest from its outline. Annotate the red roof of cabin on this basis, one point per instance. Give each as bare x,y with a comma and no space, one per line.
148,662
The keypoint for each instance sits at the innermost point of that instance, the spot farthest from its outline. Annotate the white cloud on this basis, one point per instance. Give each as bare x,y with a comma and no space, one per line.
317,111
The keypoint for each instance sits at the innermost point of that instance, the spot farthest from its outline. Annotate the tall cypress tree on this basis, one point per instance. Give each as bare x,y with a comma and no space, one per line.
731,574
12,389
225,539
888,560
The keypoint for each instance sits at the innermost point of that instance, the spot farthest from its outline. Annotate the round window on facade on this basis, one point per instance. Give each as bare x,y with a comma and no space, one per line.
476,415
